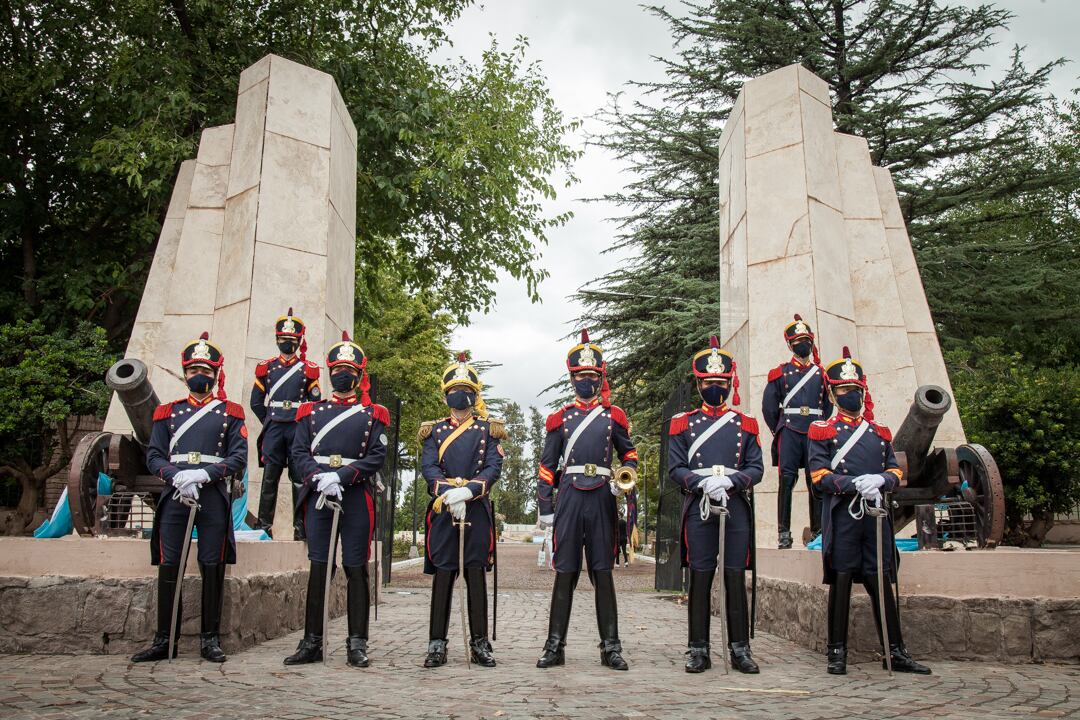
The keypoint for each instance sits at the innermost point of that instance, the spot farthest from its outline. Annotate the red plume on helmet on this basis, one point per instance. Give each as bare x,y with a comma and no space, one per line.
584,335
734,383
845,353
344,336
714,343
462,357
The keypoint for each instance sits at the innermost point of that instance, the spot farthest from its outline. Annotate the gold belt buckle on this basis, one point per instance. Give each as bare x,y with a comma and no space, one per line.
590,469
718,470
804,410
335,461
194,458
287,405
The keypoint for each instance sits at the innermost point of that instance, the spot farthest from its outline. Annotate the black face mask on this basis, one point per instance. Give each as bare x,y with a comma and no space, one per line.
287,347
343,381
714,394
586,388
460,399
200,384
802,349
850,401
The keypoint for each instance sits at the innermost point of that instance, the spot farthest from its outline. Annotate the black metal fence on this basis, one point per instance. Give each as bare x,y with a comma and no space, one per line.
384,395
669,572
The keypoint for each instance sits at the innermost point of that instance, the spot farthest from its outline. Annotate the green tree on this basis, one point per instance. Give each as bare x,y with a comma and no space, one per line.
902,75
100,102
46,379
414,496
517,483
1028,417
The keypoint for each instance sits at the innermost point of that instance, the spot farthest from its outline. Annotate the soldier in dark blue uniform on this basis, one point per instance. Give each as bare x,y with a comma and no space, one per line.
584,440
461,461
282,383
340,444
197,446
852,463
714,457
794,397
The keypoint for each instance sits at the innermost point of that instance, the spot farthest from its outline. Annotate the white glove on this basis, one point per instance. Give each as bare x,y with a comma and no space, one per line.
716,486
189,490
872,496
547,521
457,509
329,484
201,477
614,489
866,483
457,495
184,478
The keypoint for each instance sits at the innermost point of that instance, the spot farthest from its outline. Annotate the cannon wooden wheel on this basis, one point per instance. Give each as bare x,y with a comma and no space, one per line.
90,458
984,490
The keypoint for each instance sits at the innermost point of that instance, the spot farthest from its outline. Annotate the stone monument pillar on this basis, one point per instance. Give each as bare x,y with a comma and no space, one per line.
809,225
265,218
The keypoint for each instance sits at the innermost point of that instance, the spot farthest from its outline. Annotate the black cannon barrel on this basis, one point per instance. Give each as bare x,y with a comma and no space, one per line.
130,379
917,432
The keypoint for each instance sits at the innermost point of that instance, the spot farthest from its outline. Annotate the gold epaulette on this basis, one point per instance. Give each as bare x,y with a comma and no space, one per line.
498,428
425,430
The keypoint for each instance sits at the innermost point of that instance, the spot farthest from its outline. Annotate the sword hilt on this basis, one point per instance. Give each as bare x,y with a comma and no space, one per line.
325,502
185,500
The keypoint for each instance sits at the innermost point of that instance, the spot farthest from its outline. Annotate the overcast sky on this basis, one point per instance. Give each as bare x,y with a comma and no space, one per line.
588,49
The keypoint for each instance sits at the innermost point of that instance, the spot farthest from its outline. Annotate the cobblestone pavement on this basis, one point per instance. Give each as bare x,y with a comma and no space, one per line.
793,683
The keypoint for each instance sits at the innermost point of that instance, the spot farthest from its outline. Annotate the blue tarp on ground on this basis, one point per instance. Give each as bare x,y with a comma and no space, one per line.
902,544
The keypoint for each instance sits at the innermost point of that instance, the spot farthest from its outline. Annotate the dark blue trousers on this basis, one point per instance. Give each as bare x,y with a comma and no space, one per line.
441,541
355,527
213,521
585,520
701,538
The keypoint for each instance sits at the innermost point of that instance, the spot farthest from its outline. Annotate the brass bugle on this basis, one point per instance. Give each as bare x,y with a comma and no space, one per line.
625,479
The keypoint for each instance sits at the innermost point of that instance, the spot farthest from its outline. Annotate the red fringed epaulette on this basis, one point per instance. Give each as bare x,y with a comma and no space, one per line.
883,432
619,416
304,410
679,423
381,414
749,424
775,373
554,421
162,411
262,369
822,430
311,370
235,410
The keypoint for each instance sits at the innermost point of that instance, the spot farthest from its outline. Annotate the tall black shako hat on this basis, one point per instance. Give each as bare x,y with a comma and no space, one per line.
717,363
349,353
798,329
290,326
587,355
848,371
205,353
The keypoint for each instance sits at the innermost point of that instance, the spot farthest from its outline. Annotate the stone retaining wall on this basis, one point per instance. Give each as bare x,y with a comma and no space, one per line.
72,615
1002,629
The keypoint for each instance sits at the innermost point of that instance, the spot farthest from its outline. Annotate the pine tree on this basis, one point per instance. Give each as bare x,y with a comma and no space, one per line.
902,75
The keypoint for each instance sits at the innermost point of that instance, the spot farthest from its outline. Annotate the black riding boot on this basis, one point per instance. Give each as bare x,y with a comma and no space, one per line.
479,646
783,511
310,649
901,660
699,618
839,605
297,483
607,620
268,496
213,598
159,647
562,600
738,621
442,590
358,604
814,499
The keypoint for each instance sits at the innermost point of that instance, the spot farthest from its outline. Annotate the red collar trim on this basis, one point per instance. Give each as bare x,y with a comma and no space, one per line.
714,411
799,363
285,362
351,400
578,403
847,419
199,403
453,421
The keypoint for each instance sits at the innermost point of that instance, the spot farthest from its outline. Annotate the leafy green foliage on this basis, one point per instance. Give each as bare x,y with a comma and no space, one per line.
1028,417
901,74
100,102
517,485
45,379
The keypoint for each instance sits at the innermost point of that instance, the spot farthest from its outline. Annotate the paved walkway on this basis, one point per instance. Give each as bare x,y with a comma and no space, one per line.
255,684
